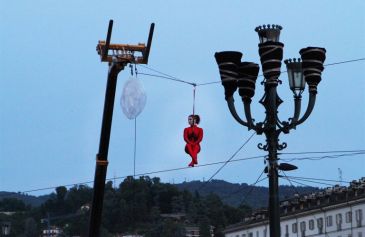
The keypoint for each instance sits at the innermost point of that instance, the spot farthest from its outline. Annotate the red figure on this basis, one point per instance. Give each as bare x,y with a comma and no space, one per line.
193,135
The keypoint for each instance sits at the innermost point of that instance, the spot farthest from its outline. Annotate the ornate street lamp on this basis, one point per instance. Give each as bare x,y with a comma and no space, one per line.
242,76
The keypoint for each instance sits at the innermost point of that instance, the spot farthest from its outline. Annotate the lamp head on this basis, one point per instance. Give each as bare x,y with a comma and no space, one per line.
269,33
287,167
313,59
247,75
295,75
271,54
228,62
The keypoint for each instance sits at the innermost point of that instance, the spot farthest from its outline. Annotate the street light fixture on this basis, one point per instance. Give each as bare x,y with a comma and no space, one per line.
242,76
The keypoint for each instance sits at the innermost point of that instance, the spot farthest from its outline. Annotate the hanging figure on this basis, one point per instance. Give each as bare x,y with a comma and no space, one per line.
193,135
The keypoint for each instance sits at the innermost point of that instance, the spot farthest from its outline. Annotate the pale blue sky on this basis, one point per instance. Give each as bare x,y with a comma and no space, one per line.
52,87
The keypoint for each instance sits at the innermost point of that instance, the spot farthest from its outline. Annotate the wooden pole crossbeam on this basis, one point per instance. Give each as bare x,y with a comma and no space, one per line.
125,52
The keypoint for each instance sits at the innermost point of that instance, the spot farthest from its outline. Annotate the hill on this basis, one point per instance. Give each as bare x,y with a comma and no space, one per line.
33,201
234,194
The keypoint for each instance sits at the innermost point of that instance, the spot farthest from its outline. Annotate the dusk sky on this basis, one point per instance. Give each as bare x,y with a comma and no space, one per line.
52,87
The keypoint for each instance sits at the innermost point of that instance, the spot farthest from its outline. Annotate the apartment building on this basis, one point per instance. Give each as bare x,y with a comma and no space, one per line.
334,212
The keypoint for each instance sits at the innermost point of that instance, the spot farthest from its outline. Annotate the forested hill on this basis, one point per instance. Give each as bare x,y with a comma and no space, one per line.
31,200
234,194
144,206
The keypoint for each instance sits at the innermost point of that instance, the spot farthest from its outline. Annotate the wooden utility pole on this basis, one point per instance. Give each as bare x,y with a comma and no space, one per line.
121,55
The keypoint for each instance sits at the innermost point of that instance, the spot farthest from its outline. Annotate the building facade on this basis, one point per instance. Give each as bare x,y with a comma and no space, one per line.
333,212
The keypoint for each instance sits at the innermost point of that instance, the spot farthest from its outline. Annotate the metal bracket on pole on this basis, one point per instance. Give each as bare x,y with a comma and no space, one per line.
124,52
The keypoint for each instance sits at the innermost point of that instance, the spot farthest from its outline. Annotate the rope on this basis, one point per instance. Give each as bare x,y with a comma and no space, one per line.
167,78
194,99
135,147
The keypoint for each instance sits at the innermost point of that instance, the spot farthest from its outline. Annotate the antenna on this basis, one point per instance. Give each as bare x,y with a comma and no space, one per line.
340,175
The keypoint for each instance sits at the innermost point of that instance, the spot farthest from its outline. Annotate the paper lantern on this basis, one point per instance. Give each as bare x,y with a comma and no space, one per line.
133,98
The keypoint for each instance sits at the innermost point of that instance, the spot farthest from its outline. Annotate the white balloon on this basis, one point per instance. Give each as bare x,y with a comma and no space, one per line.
133,98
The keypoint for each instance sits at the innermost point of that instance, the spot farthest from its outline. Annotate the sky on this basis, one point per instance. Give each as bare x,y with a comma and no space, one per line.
52,88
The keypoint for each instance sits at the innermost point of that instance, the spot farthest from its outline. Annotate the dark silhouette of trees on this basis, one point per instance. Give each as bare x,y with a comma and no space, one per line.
137,206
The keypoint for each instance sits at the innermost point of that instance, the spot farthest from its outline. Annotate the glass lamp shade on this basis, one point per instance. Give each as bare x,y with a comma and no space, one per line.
295,75
269,33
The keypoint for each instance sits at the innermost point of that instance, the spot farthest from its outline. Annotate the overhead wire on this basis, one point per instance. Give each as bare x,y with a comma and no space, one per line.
141,174
234,154
316,182
198,166
258,180
319,152
302,184
318,179
162,73
297,191
261,75
323,157
169,77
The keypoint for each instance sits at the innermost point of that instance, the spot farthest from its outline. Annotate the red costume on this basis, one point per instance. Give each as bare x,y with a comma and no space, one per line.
193,135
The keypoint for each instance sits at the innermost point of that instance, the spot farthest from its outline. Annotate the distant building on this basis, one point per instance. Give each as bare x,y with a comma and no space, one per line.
334,212
52,232
5,228
194,231
131,235
190,229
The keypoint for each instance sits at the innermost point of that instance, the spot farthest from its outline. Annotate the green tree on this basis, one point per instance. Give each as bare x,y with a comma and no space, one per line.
215,210
171,228
31,228
12,205
61,192
204,227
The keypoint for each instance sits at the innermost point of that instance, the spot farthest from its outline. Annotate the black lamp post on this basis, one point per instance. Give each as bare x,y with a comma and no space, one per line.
242,76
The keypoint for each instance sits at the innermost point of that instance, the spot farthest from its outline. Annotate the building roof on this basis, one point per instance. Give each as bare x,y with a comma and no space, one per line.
327,198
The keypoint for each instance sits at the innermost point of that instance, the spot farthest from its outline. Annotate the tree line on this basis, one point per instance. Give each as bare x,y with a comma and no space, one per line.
136,206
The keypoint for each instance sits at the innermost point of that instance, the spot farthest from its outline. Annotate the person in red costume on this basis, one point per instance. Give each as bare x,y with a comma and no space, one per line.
193,135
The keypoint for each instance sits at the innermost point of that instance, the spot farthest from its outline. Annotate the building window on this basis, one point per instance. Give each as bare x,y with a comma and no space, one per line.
265,232
329,221
294,228
257,234
243,235
339,221
358,214
286,230
348,217
250,234
320,225
311,224
302,228
359,234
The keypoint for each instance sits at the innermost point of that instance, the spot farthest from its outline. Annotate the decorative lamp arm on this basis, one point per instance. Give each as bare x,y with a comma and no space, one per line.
247,105
297,108
232,109
311,102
